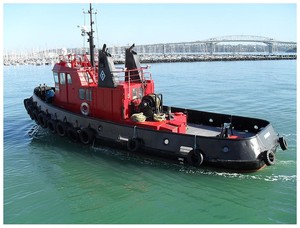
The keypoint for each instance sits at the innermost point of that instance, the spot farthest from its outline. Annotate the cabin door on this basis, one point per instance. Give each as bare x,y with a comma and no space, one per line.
63,87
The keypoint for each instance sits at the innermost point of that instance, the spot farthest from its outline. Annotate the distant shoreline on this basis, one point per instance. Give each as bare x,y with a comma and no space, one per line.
171,58
207,58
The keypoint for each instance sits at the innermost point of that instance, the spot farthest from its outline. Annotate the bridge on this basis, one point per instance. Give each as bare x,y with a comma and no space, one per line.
270,42
246,38
216,44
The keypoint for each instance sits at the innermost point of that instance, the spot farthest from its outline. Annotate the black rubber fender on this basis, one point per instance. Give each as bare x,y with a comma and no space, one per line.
86,135
43,119
72,134
52,126
27,102
30,111
283,143
35,114
61,128
269,158
133,144
195,158
29,107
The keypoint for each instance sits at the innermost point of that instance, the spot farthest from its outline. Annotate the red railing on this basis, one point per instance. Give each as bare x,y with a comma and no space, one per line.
75,60
122,74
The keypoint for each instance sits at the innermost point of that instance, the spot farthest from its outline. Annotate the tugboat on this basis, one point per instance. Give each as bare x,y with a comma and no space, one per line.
95,101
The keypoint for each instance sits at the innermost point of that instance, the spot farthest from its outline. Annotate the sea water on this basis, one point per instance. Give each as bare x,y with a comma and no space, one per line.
49,179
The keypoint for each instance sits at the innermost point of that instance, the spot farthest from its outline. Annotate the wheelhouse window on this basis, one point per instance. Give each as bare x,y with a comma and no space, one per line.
55,76
62,78
69,79
88,77
82,79
85,78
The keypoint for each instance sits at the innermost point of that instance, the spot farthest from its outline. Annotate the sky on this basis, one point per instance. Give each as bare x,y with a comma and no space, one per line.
34,26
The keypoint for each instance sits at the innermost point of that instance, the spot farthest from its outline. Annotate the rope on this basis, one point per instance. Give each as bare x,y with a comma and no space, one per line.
159,117
138,117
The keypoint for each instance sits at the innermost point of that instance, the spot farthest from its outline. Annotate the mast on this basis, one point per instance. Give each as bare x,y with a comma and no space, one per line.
91,38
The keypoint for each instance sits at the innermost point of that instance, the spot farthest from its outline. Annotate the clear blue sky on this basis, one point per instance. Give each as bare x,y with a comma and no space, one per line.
42,26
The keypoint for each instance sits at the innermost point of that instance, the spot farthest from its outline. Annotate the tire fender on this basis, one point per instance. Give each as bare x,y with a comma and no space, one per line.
35,114
61,128
51,126
283,143
133,144
86,135
42,119
195,158
30,111
269,158
72,134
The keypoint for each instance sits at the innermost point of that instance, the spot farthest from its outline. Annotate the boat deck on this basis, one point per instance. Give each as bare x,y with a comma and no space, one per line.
209,131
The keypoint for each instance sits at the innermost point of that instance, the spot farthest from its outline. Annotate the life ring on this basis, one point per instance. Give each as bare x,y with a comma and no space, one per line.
85,109
42,118
72,134
283,143
133,144
86,136
51,126
61,128
195,158
269,158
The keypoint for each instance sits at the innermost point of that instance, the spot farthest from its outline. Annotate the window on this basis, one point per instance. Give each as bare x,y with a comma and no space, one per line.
62,78
82,78
137,93
69,79
85,94
88,77
85,78
88,94
55,75
81,93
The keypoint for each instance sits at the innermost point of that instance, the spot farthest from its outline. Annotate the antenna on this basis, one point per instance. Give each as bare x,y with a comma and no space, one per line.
90,34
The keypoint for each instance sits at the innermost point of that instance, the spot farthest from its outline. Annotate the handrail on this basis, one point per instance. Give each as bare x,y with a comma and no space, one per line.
144,75
75,60
123,74
124,69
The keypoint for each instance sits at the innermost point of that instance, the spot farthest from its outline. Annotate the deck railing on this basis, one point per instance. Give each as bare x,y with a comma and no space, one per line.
133,75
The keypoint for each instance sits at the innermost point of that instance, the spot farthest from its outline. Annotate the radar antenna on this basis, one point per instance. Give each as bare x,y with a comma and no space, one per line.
90,34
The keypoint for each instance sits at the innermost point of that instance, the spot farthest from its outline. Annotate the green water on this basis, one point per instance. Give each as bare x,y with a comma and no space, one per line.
48,179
